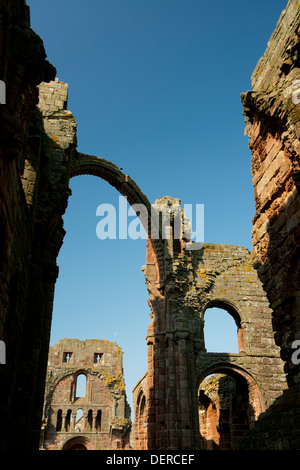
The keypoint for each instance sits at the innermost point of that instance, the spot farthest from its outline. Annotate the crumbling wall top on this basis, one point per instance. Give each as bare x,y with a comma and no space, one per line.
281,53
91,353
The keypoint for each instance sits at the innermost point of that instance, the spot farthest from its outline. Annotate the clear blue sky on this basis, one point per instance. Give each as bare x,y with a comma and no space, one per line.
154,86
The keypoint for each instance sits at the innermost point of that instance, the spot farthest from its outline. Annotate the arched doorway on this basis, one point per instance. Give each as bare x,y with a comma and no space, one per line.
77,443
228,404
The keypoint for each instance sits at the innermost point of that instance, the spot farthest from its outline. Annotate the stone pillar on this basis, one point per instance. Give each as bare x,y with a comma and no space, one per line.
171,402
161,417
183,390
150,386
86,418
94,421
72,421
64,421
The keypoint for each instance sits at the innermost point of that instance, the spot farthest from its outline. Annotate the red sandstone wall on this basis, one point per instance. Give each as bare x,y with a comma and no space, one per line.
104,393
22,68
272,112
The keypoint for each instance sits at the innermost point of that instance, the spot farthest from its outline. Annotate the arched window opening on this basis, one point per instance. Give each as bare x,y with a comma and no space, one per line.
81,386
225,410
141,422
220,331
98,420
78,446
68,420
59,421
79,425
77,443
142,406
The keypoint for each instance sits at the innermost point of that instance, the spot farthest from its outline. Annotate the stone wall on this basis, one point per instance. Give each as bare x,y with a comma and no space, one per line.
215,275
272,111
23,66
38,156
139,433
104,422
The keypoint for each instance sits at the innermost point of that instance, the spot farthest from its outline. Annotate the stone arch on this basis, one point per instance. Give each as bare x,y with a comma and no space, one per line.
90,165
78,443
140,419
233,311
234,370
140,403
61,377
231,407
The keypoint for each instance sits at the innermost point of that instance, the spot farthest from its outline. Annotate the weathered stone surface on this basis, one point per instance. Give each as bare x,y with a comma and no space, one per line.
38,156
225,411
22,68
272,110
139,433
105,422
216,275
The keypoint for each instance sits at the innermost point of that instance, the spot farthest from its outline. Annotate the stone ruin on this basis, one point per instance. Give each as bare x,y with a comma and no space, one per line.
85,401
173,409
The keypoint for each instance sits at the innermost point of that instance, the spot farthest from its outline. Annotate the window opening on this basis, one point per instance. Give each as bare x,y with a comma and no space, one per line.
67,357
220,331
97,358
81,386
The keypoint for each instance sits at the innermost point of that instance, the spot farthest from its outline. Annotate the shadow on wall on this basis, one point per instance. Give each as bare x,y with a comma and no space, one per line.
225,411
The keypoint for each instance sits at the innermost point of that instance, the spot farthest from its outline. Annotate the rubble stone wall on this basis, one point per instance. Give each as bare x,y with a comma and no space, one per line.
272,111
105,422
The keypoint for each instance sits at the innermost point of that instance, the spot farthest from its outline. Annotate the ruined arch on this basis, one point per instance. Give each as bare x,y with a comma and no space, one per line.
179,284
141,420
78,443
141,395
234,370
227,305
90,165
229,403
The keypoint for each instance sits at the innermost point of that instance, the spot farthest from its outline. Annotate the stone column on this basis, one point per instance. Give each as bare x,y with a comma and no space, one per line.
64,421
94,421
150,398
183,389
171,404
86,418
161,418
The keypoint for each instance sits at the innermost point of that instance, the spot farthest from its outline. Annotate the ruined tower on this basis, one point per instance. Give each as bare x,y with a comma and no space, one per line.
85,401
